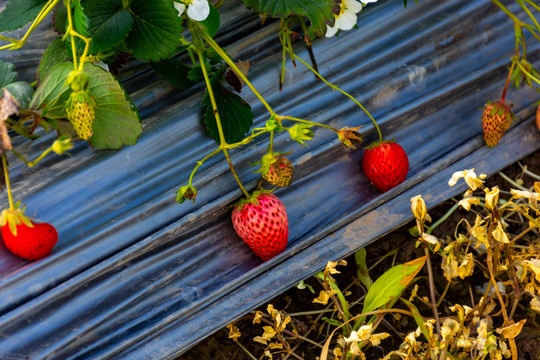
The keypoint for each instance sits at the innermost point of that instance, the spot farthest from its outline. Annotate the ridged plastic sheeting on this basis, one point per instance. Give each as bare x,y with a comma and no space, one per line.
136,276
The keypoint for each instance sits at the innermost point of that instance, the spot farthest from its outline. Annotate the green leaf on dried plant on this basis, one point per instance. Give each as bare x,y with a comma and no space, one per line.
19,13
56,53
332,322
174,71
235,114
319,12
156,29
7,73
109,23
212,22
117,121
418,319
362,271
391,284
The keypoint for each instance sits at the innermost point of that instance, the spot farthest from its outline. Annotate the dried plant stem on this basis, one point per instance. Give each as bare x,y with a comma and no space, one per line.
245,350
432,289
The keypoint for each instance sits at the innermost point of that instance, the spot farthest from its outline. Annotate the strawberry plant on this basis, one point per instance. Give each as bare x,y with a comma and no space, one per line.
497,115
77,93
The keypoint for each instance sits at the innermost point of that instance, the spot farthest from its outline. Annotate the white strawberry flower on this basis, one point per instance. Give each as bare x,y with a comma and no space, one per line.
346,19
197,10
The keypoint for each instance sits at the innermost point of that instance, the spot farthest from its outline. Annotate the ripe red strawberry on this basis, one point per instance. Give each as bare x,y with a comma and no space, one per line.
30,243
280,172
496,120
262,223
385,164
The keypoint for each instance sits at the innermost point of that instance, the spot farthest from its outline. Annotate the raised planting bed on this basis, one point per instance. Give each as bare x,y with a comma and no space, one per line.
136,276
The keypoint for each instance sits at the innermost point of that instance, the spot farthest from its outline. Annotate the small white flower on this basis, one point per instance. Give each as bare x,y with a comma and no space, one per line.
346,19
197,10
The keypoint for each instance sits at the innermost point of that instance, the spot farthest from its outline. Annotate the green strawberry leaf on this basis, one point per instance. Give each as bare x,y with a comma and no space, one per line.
7,73
80,20
319,12
56,53
391,284
235,114
117,121
362,272
195,74
59,19
156,29
19,13
212,22
52,92
109,23
174,71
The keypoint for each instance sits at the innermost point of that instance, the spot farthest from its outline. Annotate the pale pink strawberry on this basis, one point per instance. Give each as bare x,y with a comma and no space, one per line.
261,222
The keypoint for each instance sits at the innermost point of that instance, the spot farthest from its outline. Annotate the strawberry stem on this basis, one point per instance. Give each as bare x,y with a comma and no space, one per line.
223,142
531,76
8,184
32,163
503,96
233,66
271,145
334,87
17,44
70,31
309,122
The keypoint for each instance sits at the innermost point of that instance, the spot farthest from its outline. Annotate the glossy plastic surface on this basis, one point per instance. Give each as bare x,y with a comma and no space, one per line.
136,276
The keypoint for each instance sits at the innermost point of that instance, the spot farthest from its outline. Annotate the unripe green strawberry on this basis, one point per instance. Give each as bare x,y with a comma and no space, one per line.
261,222
496,120
385,164
81,112
280,172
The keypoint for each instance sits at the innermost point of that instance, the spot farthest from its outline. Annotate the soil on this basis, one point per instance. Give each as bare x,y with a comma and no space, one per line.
220,347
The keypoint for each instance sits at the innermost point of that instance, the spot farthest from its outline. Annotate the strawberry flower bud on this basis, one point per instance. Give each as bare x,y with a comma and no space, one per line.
301,132
185,193
61,145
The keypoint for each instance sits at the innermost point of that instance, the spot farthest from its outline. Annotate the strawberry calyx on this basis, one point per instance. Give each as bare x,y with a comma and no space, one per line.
267,160
77,80
252,199
378,143
500,108
14,217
